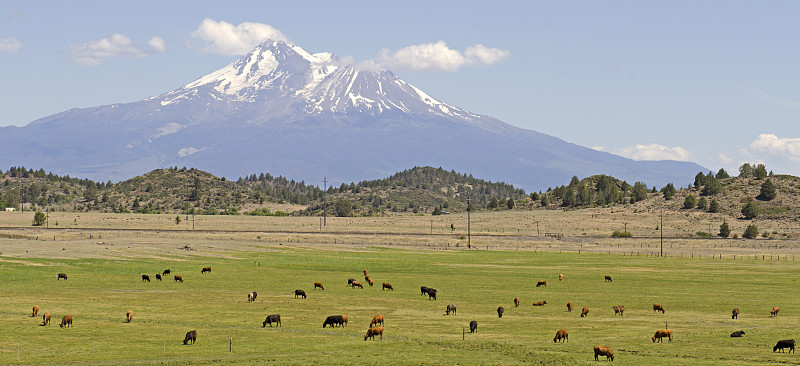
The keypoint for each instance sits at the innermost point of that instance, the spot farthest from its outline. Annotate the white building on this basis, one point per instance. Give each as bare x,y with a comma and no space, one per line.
10,209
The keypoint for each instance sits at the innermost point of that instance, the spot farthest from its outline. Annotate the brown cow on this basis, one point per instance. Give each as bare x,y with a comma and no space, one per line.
603,351
377,319
657,308
735,313
366,278
372,332
190,336
205,269
35,311
560,276
774,311
365,272
516,302
178,278
450,309
540,303
66,321
387,285
562,335
129,316
319,285
344,321
619,310
569,306
46,319
541,283
370,282
608,278
660,334
585,311
357,284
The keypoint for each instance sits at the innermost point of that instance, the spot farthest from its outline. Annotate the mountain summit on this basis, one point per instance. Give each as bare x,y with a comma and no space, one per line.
283,110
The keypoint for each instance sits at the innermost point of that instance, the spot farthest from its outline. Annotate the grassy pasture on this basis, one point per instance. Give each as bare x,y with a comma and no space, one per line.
698,295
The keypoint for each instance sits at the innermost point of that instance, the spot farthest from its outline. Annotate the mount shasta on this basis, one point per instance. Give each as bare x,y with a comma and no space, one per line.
283,110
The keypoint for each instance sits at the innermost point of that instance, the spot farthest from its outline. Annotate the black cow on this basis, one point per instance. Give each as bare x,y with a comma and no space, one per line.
166,272
473,326
275,318
500,312
299,293
62,275
158,276
190,336
789,343
737,333
146,278
350,281
333,321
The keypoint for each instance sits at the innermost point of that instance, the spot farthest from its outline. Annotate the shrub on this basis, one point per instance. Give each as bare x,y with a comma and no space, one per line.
39,218
750,210
751,232
621,234
768,191
689,202
703,234
724,230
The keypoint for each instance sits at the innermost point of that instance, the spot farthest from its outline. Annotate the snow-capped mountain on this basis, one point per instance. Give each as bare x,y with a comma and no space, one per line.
283,110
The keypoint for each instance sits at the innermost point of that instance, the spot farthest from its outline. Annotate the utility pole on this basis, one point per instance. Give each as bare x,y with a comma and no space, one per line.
22,193
324,201
662,231
469,232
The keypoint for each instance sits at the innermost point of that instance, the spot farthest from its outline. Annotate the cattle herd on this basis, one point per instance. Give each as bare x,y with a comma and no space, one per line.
376,326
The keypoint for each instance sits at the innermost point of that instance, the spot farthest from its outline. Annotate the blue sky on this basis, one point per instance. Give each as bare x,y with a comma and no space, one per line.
714,82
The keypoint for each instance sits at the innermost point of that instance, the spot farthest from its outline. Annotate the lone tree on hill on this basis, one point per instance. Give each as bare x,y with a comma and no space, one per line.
724,230
768,191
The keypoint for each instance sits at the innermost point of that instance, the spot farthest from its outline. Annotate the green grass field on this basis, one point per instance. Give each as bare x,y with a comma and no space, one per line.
698,295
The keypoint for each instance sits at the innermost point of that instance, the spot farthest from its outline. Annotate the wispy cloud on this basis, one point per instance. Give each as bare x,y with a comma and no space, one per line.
94,53
231,40
186,151
765,96
654,152
435,57
11,44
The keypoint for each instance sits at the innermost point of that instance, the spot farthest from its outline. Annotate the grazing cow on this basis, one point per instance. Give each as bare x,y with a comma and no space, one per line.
145,278
365,272
423,290
516,302
500,311
158,276
660,334
370,282
619,310
473,326
46,319
190,336
737,333
569,306
372,332
205,269
166,272
789,343
128,316
350,281
585,311
299,293
774,311
333,320
178,278
603,351
387,285
366,278
450,309
431,293
657,308
608,278
735,313
344,321
62,275
540,303
275,318
318,285
377,319
562,335
251,297
357,284
66,321
560,276
35,311
541,283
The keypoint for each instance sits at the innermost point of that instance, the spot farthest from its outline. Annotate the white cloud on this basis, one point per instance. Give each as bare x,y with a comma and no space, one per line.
598,148
186,151
168,129
229,40
788,148
435,57
11,44
654,152
93,53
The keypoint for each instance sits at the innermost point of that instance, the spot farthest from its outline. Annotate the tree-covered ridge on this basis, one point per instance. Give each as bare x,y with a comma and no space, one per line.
597,190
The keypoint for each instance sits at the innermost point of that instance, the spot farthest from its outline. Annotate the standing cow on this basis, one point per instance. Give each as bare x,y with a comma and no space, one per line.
275,318
35,311
735,313
145,278
190,336
450,309
386,286
298,293
500,311
66,321
62,275
473,326
205,269
128,316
